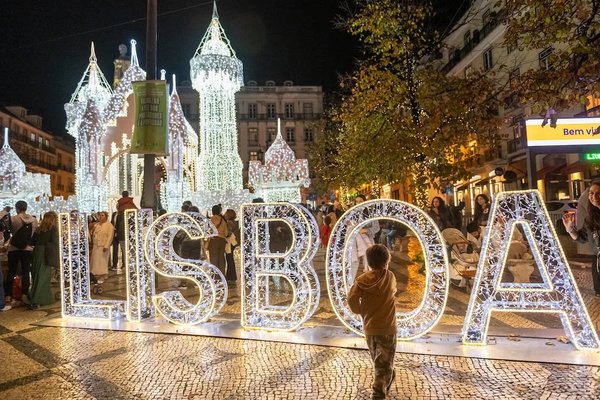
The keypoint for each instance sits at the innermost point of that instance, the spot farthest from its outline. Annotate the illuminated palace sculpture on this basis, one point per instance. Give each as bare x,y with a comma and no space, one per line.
101,121
281,177
216,74
18,184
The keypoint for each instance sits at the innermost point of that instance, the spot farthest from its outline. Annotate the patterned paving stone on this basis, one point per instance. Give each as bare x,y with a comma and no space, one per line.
51,363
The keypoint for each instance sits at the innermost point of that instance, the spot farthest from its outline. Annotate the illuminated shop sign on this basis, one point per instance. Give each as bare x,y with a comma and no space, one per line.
568,132
149,250
591,156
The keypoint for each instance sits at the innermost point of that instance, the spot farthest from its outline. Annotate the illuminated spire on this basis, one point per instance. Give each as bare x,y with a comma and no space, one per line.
134,57
215,13
93,85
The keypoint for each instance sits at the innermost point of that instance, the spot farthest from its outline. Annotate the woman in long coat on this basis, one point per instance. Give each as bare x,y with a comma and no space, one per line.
102,237
45,259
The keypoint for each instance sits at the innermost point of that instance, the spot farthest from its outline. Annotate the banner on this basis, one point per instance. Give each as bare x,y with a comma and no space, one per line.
568,132
151,113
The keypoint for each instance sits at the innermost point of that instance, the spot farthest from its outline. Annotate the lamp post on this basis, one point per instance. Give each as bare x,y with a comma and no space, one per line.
148,199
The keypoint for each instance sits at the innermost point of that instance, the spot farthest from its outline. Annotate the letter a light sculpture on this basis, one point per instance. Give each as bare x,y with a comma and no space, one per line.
557,293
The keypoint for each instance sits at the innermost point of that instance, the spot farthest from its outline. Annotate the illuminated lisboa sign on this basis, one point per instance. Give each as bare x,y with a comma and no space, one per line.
149,250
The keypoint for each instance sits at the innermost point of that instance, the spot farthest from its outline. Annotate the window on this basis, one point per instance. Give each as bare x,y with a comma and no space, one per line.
518,126
467,39
270,83
186,108
270,110
272,134
486,17
253,156
252,111
32,137
290,135
487,60
289,110
307,109
59,159
308,135
253,136
544,58
47,143
288,83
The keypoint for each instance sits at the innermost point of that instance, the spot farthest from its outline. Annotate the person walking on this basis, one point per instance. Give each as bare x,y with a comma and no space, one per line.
589,231
20,249
364,239
125,203
45,259
102,237
372,296
4,235
216,244
233,234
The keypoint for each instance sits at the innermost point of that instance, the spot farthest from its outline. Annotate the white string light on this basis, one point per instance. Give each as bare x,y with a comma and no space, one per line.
557,294
18,184
259,264
210,281
139,272
216,73
339,264
75,273
181,161
281,177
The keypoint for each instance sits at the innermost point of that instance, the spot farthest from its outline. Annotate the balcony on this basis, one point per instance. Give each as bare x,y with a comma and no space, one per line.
492,154
478,37
267,117
517,145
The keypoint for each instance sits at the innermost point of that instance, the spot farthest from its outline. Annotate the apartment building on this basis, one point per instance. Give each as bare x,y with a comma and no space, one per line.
40,150
477,43
257,109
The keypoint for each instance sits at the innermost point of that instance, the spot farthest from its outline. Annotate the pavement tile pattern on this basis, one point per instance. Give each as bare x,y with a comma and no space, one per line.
49,363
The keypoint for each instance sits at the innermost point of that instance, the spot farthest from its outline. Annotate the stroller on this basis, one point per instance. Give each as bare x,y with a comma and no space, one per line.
463,264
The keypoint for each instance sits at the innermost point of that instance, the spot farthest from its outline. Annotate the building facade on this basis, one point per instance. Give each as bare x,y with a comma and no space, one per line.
477,43
40,150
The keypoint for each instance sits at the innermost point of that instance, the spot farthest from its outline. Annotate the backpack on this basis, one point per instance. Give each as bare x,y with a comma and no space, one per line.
22,236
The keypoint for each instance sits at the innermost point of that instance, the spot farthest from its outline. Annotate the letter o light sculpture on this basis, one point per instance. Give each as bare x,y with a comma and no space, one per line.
411,324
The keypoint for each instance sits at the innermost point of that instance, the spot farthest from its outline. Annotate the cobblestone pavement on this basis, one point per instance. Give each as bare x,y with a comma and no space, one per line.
46,362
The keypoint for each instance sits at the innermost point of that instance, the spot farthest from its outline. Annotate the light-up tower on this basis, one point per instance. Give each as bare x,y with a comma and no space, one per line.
216,74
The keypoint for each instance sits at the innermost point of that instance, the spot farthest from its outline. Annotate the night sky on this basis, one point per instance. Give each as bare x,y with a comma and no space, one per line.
44,48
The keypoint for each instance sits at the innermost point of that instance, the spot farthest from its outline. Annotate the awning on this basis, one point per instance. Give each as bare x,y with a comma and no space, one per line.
541,174
577,166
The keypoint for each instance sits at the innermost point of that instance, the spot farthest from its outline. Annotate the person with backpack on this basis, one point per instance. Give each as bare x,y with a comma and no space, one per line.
19,249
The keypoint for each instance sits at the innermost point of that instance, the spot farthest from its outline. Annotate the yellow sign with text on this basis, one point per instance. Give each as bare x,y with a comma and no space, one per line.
151,118
568,132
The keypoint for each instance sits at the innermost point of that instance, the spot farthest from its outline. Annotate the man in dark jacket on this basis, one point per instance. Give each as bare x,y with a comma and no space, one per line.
124,203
